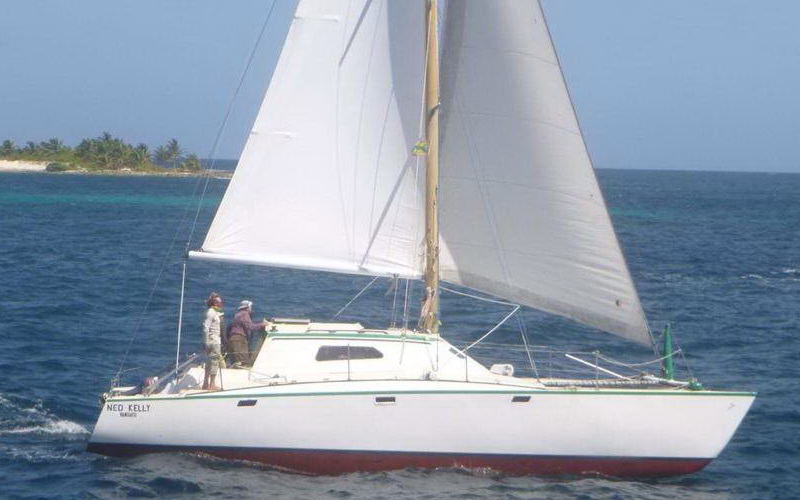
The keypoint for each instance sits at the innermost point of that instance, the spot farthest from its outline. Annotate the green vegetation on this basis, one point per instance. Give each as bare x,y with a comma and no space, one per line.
104,153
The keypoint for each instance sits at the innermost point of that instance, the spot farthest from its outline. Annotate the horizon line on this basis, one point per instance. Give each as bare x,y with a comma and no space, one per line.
671,169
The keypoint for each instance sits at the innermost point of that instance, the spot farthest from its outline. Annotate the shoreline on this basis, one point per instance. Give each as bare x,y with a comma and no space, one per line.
36,167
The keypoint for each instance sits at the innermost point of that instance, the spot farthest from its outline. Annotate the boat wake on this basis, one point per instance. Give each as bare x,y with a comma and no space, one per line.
20,419
35,455
775,277
56,427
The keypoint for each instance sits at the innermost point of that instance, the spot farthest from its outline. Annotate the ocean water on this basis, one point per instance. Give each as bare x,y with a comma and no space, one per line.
715,254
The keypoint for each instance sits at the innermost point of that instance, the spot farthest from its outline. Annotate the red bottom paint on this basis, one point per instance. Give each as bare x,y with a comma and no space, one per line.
339,462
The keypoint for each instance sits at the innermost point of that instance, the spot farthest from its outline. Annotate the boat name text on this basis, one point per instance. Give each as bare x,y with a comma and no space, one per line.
128,410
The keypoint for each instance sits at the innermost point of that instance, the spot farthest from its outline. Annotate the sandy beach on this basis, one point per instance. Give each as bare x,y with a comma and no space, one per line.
41,166
22,166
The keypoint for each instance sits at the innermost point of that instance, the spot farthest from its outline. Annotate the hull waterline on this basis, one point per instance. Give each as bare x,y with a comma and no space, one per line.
331,462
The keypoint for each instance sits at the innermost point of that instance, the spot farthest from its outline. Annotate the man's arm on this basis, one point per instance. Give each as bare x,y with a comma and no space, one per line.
251,327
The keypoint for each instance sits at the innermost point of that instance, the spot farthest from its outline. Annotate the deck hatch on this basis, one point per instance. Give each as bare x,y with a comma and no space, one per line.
247,402
520,399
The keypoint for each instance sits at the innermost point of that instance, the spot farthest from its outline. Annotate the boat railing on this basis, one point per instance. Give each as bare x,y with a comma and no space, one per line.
175,374
542,363
156,383
545,362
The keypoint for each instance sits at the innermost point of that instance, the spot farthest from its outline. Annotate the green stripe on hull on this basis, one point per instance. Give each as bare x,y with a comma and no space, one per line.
349,336
504,392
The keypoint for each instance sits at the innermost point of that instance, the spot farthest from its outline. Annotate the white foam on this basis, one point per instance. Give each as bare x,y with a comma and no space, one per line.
52,427
35,455
36,420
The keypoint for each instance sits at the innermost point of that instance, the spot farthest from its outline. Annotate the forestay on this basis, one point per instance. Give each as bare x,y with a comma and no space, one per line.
521,213
327,180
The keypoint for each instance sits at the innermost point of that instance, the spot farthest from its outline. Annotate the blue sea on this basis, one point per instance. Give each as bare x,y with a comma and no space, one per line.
90,283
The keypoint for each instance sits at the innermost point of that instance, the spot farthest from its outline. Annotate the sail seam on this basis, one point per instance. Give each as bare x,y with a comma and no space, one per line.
397,187
521,119
356,29
360,124
393,227
514,52
520,253
337,141
531,188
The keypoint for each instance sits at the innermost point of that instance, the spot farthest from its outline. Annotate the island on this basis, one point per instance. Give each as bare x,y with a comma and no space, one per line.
105,154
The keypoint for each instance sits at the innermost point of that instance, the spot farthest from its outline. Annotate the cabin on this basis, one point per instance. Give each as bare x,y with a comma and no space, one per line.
296,351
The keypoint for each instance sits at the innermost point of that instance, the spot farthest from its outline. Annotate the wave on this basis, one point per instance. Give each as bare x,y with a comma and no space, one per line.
38,455
17,418
53,427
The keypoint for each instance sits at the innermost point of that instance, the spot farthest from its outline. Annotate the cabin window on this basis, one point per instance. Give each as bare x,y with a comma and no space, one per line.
340,352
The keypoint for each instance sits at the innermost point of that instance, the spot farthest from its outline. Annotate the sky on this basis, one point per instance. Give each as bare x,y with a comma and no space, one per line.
658,84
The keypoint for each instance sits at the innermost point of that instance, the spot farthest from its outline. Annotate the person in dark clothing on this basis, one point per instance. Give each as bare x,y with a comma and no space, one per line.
239,333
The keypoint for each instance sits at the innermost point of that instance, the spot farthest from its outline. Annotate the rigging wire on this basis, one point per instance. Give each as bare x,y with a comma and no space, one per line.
146,307
407,301
394,287
685,361
635,366
180,317
516,307
498,325
524,334
355,297
184,216
227,116
478,297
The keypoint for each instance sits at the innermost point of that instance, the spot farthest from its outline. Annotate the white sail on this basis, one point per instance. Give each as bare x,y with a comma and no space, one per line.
327,180
521,213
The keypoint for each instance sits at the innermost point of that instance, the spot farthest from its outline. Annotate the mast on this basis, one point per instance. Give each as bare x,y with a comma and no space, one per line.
429,316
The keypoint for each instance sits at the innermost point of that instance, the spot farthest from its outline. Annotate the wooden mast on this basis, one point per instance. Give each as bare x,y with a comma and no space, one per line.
429,319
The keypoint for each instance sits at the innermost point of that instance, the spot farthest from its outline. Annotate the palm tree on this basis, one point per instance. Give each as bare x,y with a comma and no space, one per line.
30,148
53,146
191,162
141,153
174,152
161,155
112,152
8,148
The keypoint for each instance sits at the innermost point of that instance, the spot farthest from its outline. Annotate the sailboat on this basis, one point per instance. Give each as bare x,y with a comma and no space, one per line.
439,148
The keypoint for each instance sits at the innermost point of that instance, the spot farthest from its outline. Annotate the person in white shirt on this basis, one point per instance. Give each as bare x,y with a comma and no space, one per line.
212,341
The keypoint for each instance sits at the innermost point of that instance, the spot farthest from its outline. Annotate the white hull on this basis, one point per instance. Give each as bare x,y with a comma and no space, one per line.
337,427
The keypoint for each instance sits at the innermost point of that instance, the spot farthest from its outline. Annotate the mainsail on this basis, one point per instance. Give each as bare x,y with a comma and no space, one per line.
522,216
327,179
